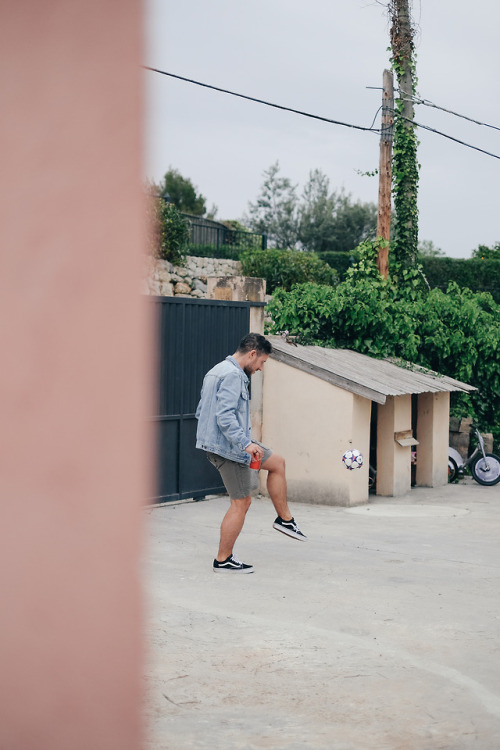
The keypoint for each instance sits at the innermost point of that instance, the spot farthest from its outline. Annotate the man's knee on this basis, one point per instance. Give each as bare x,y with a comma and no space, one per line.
275,463
242,503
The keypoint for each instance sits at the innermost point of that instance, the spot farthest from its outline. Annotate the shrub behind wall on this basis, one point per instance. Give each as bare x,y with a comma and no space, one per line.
340,261
475,274
283,268
225,252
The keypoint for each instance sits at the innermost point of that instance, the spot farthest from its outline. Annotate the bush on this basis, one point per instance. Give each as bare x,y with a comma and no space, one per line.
169,231
475,274
483,252
460,333
228,252
341,262
283,268
456,333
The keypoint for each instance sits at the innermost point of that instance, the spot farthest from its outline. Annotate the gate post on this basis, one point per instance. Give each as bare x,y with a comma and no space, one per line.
241,289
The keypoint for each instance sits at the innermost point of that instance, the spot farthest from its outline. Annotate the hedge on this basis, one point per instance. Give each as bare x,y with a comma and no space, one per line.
474,274
283,268
227,252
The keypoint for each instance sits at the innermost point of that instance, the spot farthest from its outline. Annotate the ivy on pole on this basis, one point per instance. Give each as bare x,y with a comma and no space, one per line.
405,164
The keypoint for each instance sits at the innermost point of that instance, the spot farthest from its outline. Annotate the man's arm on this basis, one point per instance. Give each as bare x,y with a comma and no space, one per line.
227,402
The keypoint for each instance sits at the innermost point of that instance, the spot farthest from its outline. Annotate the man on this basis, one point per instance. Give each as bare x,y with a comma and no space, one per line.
224,433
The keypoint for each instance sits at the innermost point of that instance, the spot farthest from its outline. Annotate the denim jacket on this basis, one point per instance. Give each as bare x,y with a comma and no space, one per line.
223,413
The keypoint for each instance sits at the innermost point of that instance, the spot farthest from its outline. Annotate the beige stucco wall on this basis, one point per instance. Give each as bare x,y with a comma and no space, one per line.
311,423
433,436
393,460
74,379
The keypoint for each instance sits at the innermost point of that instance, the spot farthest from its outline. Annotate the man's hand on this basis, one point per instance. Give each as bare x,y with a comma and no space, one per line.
255,450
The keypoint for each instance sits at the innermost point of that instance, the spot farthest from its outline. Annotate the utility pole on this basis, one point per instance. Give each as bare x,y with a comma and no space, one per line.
385,171
402,51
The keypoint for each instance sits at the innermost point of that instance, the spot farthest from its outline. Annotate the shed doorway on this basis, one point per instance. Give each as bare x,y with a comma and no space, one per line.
372,462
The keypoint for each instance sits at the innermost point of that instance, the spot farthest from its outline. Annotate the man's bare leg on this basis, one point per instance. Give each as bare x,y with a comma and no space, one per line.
231,525
276,485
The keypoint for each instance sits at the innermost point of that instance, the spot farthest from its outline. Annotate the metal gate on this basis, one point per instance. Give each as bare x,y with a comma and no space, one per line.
193,336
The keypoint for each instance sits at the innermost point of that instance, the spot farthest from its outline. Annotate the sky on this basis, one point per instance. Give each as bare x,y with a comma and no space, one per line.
322,57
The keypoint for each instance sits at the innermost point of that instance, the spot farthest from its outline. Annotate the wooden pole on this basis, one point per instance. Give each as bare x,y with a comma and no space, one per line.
385,171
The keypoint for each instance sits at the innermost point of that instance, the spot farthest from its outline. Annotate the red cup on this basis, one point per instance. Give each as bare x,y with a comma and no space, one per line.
255,463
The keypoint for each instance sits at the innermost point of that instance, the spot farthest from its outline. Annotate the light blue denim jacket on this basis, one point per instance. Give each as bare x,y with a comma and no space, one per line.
223,413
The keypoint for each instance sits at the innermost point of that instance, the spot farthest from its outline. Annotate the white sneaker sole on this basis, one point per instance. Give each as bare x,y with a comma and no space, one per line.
232,570
289,532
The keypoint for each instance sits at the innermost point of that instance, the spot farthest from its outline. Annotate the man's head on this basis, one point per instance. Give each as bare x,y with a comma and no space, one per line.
252,352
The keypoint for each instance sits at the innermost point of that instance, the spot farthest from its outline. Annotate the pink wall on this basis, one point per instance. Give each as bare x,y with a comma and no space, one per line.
74,375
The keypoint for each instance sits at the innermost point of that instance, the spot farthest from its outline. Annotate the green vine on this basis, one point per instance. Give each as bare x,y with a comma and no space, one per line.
405,171
405,186
374,173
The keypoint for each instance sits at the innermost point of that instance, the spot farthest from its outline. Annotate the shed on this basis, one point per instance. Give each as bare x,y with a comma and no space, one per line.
318,402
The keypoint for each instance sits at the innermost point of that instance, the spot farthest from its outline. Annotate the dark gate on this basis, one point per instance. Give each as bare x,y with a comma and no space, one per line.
193,336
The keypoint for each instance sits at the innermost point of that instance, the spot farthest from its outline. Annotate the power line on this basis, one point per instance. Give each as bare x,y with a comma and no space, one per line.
262,101
450,137
316,117
427,103
375,117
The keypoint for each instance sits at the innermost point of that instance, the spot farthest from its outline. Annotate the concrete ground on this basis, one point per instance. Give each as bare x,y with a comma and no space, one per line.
379,633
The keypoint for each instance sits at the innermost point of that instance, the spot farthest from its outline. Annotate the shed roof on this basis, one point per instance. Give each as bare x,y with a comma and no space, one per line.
371,378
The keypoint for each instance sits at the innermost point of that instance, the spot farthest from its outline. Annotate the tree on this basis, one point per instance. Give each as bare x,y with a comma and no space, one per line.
182,193
320,221
316,214
168,230
427,249
275,211
483,252
405,165
354,223
332,222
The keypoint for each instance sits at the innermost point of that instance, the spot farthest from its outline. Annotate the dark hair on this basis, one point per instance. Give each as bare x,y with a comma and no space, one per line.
254,341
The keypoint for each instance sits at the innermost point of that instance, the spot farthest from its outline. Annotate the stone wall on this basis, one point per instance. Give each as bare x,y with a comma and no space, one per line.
460,436
166,280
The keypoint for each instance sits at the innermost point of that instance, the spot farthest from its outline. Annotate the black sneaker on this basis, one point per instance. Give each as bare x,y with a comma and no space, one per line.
232,564
290,528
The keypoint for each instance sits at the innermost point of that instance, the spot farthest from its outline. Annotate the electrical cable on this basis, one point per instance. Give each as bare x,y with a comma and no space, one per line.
262,101
450,137
318,117
375,117
427,103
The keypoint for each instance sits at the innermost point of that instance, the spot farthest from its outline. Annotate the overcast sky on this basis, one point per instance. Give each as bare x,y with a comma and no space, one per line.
320,56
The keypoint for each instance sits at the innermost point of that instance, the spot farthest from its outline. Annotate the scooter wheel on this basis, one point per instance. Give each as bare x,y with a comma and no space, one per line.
486,471
452,470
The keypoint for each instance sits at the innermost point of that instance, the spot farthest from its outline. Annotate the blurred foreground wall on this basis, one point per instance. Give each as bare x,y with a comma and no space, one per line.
74,375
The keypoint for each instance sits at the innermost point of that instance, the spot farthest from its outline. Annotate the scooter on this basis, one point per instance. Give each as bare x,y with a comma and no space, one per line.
485,467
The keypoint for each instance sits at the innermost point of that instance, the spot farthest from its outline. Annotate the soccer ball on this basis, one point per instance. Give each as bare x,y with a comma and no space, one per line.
352,459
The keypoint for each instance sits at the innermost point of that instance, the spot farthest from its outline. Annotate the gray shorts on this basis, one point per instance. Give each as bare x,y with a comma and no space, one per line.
239,479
